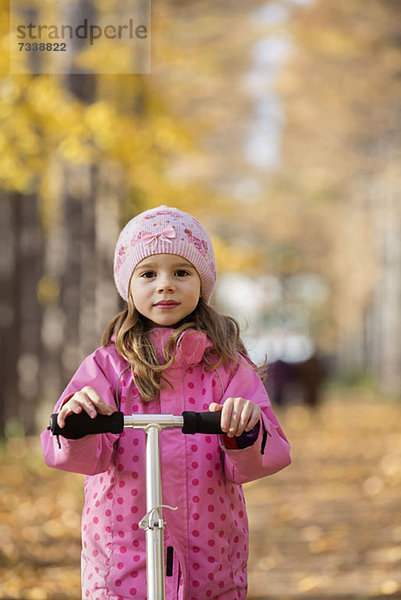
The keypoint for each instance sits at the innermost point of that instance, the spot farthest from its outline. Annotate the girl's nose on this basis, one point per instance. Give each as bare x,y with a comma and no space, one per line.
165,285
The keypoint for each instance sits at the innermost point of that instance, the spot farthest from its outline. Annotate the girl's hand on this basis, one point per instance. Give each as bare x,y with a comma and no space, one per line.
237,415
86,399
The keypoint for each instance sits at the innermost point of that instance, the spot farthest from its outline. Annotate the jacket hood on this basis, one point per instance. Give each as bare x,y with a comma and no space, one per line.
191,345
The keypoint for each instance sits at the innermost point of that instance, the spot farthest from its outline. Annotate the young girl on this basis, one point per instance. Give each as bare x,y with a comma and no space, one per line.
166,352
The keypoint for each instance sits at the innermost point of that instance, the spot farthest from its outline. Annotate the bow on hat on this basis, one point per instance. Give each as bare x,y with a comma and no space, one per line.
166,235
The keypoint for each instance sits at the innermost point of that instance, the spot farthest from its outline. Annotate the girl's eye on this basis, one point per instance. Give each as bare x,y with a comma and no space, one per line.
181,273
148,274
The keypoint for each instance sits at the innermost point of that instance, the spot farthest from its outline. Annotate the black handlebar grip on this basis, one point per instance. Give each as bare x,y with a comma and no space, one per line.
201,422
77,426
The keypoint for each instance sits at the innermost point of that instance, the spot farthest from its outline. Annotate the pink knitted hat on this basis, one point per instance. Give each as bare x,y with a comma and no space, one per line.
164,230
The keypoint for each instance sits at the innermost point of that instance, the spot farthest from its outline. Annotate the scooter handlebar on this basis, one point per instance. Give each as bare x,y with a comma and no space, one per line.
78,425
201,422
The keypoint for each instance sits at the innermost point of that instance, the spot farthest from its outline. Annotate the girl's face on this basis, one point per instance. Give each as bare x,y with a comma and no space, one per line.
165,288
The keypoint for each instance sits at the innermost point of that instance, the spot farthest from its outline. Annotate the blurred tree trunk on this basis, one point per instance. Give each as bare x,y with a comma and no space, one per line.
386,306
29,270
71,282
21,313
91,221
53,329
356,340
8,307
67,291
78,283
109,192
87,327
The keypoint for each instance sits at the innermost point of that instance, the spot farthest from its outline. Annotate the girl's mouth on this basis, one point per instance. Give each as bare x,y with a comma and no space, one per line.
166,304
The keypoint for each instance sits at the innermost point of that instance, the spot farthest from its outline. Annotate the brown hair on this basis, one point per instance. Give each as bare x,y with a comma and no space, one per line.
132,341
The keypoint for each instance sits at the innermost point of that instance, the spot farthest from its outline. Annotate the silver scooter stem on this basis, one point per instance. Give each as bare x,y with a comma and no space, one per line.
155,530
153,521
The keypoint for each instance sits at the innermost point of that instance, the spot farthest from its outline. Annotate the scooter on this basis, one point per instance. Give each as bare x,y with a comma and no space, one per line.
79,425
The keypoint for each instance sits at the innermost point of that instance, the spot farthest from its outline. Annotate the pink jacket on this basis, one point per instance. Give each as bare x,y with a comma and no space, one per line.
209,532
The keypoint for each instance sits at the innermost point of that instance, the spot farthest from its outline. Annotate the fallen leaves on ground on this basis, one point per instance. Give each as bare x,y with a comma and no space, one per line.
39,526
329,526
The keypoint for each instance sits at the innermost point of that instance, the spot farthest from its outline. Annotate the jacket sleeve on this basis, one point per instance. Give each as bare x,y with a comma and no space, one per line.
91,454
271,451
